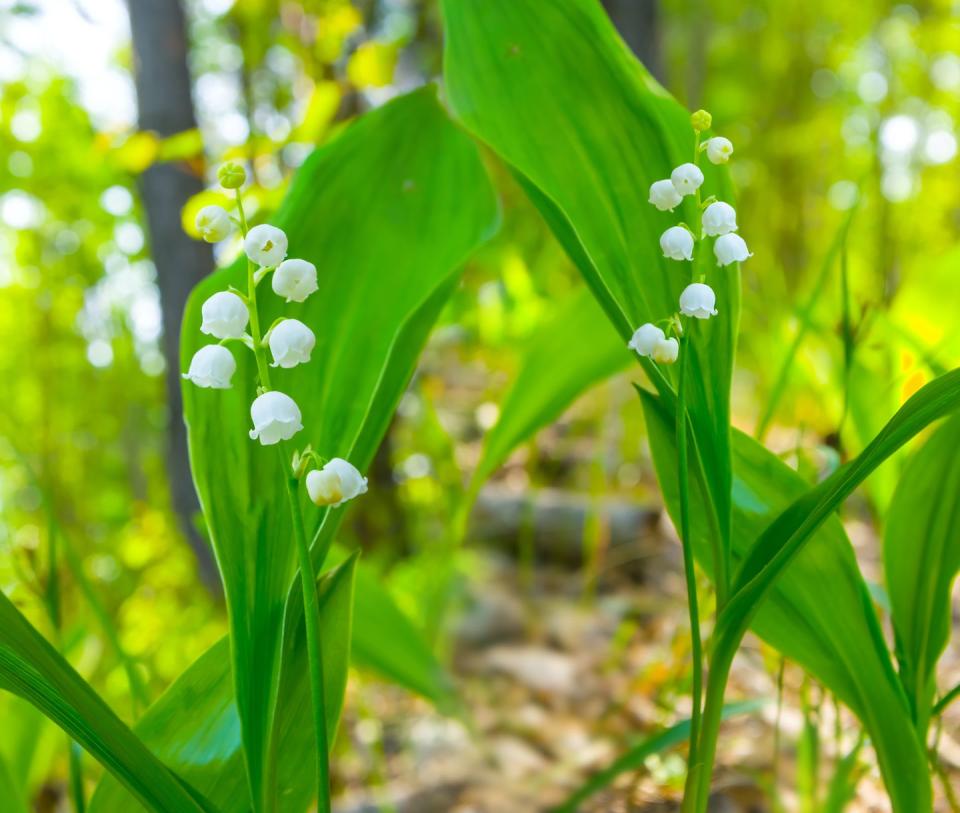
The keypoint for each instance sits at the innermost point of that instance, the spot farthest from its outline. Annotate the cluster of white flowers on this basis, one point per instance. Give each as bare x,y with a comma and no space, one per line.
718,220
226,316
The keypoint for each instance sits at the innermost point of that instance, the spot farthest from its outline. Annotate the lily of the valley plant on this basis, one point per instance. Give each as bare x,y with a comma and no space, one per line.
667,341
232,317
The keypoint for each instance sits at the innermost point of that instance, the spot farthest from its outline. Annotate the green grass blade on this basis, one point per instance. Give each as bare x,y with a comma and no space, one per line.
388,211
921,557
805,317
634,757
31,668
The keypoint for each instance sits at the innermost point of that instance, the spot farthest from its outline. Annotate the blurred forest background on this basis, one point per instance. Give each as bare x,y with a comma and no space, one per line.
112,117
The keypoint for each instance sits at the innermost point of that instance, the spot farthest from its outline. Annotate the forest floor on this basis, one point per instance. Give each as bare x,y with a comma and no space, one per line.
560,677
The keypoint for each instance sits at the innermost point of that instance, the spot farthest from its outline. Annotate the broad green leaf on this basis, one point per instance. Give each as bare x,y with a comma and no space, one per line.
194,726
634,757
31,668
558,96
921,557
574,349
388,211
819,613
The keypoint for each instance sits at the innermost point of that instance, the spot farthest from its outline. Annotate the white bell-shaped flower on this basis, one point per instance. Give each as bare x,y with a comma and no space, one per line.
334,484
225,316
294,280
718,149
666,351
686,178
213,223
266,245
645,338
698,300
212,366
731,248
664,195
291,343
275,417
677,243
719,218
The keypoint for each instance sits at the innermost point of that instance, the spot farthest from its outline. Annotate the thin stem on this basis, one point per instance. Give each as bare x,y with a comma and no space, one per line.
308,576
778,736
311,613
693,763
720,664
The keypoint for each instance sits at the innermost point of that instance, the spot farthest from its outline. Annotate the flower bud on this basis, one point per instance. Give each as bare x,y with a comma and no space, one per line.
213,223
334,484
686,178
266,245
231,175
701,120
291,343
677,243
212,366
294,280
719,218
698,300
664,195
731,248
224,315
665,351
645,338
718,149
275,417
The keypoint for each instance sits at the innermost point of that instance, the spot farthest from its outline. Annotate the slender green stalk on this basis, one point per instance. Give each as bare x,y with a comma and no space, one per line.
693,757
720,664
311,612
778,737
308,576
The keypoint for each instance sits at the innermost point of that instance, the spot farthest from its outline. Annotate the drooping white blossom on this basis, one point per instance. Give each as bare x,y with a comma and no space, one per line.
664,195
294,280
225,316
213,223
212,366
275,417
686,178
719,218
266,245
645,338
698,300
718,149
677,243
291,343
666,351
334,484
731,248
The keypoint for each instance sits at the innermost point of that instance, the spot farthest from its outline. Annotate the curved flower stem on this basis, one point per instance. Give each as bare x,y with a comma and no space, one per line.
693,757
308,575
311,614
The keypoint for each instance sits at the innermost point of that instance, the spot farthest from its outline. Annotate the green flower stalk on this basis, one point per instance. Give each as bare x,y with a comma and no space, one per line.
233,316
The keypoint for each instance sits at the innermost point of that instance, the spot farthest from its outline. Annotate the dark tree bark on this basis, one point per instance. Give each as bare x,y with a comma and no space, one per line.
165,102
638,22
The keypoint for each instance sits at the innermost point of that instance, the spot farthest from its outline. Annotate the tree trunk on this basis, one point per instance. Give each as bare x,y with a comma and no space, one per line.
638,22
165,103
